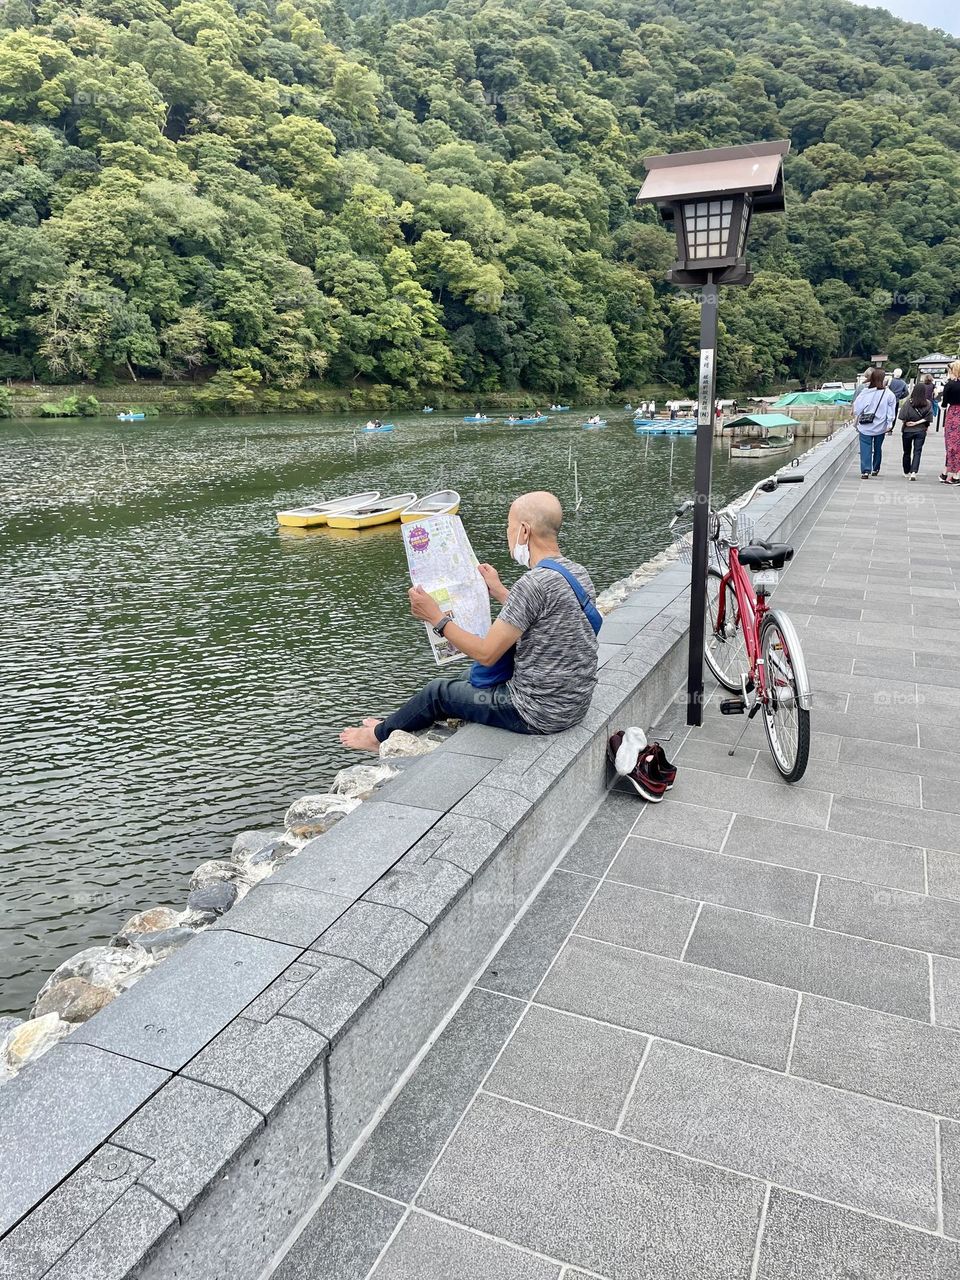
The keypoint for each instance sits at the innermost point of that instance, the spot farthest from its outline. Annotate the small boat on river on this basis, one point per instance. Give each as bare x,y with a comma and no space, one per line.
374,428
528,422
477,417
666,427
560,408
594,424
445,502
370,514
131,417
757,435
427,408
318,512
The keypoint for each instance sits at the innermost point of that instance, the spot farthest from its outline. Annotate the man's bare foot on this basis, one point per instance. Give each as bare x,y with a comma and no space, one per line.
372,721
362,739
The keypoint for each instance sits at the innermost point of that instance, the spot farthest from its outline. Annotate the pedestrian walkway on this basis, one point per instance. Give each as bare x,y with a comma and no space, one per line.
723,1043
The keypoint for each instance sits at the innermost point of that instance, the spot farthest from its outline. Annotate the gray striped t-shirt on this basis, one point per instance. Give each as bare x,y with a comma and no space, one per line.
555,668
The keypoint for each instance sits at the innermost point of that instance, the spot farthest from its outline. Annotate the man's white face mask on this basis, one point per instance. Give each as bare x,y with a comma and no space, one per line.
520,551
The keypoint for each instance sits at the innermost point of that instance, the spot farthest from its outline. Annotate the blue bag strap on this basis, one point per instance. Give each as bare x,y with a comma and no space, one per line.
594,616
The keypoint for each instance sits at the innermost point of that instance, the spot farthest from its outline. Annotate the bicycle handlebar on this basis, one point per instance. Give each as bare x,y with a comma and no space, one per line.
769,485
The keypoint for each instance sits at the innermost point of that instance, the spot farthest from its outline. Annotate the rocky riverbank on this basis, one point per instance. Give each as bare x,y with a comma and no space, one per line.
90,980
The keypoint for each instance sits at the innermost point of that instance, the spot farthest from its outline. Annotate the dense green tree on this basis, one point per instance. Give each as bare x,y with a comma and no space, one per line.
442,192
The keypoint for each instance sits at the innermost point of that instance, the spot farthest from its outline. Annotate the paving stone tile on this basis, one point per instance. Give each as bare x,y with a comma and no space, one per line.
663,997
941,794
270,1001
834,853
859,783
946,991
915,760
283,913
938,738
62,1108
806,1239
482,740
436,781
873,1053
117,1243
397,1155
189,1132
355,853
741,795
794,1132
378,937
877,725
431,1249
502,809
570,1065
928,828
943,873
687,824
343,1238
333,998
888,915
593,850
261,1063
465,841
950,1164
814,960
714,877
223,972
426,891
633,917
555,1187
699,752
518,967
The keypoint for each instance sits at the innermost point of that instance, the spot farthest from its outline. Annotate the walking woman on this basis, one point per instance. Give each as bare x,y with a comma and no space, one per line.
950,403
915,416
874,411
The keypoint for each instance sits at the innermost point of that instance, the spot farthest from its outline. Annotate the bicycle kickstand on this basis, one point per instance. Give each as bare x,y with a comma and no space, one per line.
750,714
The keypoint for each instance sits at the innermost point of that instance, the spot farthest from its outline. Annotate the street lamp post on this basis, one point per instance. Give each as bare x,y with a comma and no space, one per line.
709,198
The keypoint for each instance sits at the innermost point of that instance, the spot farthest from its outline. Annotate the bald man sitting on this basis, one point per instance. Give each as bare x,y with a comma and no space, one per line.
555,665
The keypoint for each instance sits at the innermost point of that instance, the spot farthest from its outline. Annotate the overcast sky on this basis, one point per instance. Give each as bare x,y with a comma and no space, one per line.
933,13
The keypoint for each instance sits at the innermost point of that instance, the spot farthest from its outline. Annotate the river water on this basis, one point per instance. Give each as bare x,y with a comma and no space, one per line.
174,668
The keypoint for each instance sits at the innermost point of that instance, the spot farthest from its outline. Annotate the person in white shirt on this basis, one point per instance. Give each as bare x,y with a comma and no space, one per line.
874,412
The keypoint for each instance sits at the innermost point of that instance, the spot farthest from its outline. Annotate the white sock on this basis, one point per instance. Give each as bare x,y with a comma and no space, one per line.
628,753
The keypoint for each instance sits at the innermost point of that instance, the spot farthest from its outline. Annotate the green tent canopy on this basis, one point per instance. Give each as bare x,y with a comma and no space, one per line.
814,397
777,423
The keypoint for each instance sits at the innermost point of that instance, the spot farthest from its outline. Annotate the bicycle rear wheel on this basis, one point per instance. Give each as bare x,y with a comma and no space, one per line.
724,650
786,723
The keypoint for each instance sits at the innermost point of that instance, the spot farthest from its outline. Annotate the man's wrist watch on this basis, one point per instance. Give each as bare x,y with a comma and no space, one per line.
441,625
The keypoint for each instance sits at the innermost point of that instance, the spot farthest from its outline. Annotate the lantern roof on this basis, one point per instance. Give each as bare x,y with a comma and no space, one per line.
755,169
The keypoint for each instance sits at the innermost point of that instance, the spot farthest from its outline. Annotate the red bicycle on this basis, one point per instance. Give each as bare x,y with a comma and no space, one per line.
752,648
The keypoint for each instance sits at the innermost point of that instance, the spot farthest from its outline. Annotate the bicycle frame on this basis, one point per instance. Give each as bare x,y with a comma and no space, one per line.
751,608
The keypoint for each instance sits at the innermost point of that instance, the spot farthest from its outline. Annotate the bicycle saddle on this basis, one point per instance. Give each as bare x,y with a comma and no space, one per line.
765,555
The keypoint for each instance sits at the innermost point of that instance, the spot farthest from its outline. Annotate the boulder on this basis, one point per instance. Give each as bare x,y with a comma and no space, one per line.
249,843
165,941
401,744
361,780
113,968
6,1026
33,1038
148,921
313,815
261,864
74,999
216,871
216,897
197,920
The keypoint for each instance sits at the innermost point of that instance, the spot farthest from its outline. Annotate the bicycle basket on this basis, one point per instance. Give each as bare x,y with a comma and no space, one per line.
683,541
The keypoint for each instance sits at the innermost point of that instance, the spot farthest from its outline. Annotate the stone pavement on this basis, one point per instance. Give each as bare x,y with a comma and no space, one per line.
724,1042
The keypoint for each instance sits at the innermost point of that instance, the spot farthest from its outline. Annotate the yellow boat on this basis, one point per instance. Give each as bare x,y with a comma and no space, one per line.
445,502
367,515
319,512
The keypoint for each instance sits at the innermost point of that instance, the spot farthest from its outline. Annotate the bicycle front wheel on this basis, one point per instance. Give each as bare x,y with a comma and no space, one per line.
723,646
787,724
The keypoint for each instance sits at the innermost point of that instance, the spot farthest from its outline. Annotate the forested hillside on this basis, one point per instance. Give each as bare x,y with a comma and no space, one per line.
443,195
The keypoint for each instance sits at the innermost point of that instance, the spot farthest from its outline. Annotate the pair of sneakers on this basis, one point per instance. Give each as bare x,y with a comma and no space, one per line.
641,763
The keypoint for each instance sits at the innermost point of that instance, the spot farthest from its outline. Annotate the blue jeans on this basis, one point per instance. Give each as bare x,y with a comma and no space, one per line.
871,447
455,699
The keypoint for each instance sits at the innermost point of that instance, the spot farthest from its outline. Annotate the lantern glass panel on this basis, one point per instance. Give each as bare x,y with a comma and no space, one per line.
707,225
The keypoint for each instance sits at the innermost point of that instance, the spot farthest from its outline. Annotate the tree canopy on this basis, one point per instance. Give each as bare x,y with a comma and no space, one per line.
427,195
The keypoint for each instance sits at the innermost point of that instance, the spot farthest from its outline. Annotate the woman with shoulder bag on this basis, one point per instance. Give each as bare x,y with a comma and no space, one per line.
915,416
874,412
950,402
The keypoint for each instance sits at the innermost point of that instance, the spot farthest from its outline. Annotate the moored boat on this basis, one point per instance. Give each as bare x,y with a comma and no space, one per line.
318,512
445,502
367,515
757,435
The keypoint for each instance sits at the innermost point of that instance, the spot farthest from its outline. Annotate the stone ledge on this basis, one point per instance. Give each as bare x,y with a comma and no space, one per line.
232,1080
